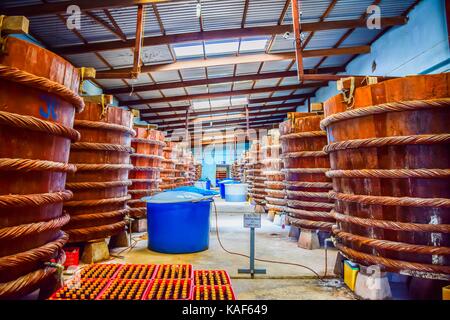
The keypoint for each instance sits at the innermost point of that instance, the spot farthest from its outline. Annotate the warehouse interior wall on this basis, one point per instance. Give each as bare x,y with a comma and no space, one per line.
211,155
419,47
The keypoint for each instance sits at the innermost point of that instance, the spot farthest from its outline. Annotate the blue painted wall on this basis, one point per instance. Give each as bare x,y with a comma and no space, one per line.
221,154
419,47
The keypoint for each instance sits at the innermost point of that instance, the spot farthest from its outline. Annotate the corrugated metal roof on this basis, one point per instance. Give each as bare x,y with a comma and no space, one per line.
223,14
87,60
220,71
180,17
264,12
193,73
274,66
222,87
165,76
266,83
150,94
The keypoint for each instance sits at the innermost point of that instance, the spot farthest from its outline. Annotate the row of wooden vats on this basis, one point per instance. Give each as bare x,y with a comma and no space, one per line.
71,168
373,172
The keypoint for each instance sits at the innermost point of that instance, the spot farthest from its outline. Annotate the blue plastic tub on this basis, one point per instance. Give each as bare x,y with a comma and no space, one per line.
178,222
236,192
194,189
222,187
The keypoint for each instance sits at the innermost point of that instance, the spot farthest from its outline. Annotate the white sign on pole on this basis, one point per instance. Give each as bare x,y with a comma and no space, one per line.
252,220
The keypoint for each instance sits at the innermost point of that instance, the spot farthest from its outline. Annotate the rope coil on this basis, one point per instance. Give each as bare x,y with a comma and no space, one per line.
391,225
35,200
310,204
388,141
97,185
391,201
39,125
28,282
384,108
308,224
149,141
41,83
391,264
101,146
135,168
301,135
312,214
389,173
304,154
100,167
98,215
93,203
42,253
390,245
304,184
148,156
23,230
307,194
305,170
104,126
27,165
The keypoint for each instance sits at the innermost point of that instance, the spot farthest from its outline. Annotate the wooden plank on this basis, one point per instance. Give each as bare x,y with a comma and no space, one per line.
15,24
297,40
222,34
138,42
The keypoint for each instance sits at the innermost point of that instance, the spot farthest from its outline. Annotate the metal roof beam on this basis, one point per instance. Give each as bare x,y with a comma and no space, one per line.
223,94
223,34
249,77
85,5
211,62
253,111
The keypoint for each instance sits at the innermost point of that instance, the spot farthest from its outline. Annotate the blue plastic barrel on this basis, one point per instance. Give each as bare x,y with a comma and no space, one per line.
178,222
222,187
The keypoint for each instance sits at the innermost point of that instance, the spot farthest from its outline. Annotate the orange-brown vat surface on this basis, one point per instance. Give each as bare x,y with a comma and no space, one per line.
390,161
38,101
100,185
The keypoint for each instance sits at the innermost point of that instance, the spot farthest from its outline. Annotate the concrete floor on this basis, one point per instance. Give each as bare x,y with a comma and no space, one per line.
272,243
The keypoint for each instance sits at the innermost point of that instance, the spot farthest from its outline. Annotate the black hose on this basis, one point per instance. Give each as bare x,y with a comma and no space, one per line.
261,260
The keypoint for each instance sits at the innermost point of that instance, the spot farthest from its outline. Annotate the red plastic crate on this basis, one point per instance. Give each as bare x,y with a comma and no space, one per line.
81,287
201,289
104,271
72,256
150,274
105,294
224,277
160,274
152,295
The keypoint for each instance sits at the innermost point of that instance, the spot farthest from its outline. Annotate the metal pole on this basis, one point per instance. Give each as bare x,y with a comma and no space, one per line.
252,252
